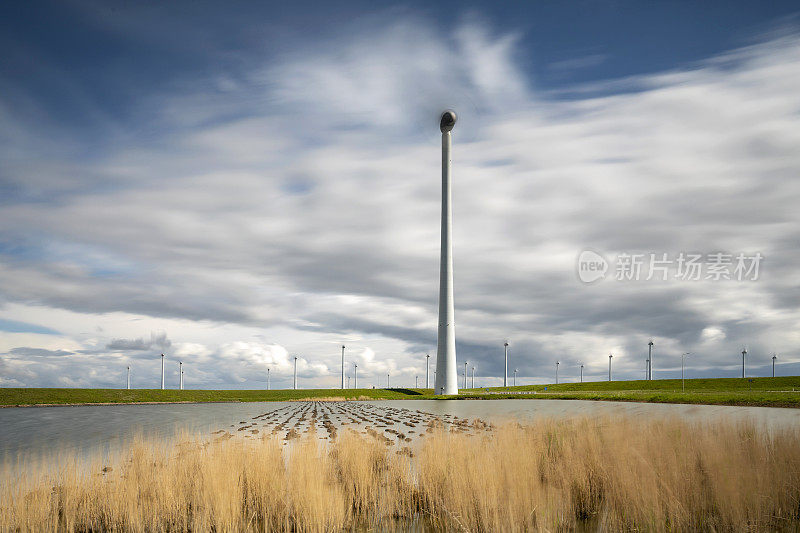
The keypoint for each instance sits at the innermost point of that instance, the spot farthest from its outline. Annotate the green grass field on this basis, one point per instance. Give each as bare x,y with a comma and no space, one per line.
771,392
18,396
768,392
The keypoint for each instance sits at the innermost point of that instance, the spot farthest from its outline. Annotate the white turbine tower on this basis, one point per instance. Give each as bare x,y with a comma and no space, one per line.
355,375
774,356
162,371
427,366
650,360
294,385
610,356
581,372
473,377
129,373
515,376
557,363
683,360
268,384
505,368
465,373
447,374
180,374
343,366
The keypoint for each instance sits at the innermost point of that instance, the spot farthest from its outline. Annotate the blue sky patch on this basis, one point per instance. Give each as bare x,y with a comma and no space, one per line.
14,326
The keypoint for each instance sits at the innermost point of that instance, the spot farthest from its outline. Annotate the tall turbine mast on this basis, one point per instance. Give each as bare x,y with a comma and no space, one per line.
447,374
343,366
505,368
744,352
427,366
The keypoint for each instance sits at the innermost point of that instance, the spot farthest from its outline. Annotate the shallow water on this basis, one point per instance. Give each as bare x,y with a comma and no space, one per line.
79,429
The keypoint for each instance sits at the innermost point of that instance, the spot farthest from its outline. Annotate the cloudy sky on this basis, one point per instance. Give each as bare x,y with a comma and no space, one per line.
235,186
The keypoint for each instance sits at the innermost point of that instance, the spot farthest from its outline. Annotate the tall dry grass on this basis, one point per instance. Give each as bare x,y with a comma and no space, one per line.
612,474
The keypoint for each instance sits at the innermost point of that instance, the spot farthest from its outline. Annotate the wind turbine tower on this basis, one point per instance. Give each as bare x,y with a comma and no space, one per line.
610,356
343,366
650,360
774,356
129,373
180,374
505,371
447,375
162,371
294,383
427,366
744,352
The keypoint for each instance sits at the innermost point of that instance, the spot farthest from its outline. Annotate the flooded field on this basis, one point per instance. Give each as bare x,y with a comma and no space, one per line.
325,420
83,428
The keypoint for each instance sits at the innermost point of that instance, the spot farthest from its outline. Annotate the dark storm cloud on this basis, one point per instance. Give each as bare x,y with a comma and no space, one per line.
156,340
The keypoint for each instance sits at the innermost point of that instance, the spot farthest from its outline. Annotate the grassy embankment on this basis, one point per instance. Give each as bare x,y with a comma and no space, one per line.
19,396
770,392
576,474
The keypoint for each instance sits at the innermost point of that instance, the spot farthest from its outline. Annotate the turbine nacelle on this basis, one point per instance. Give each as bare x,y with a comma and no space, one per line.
447,120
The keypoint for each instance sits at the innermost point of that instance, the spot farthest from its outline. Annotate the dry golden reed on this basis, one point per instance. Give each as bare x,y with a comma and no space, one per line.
575,474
